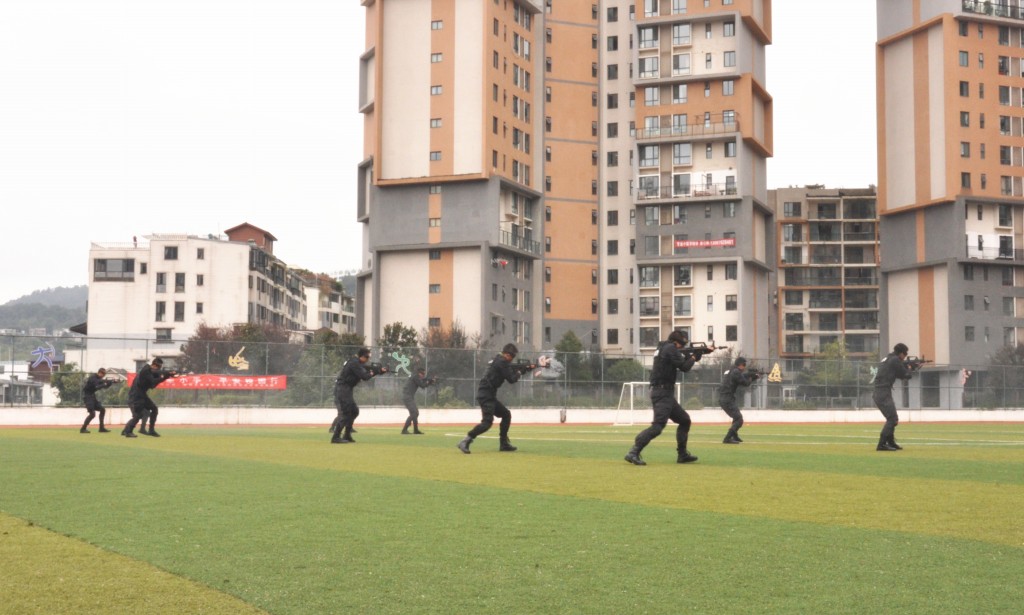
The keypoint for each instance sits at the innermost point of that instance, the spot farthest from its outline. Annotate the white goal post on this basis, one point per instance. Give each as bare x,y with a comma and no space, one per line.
635,403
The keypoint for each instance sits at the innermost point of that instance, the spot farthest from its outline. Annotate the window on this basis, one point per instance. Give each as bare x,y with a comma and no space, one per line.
170,253
613,276
433,322
436,25
613,189
648,39
730,303
682,154
681,34
968,333
613,101
161,282
965,119
649,277
969,302
648,337
730,271
729,28
613,71
613,306
613,217
547,274
682,306
649,155
613,247
613,14
163,336
200,254
681,64
683,275
434,222
791,209
161,311
435,289
730,58
728,87
652,245
547,244
730,149
179,311
547,304
965,89
964,58
437,57
435,90
435,122
199,308
200,279
965,149
434,189
613,336
711,272
968,272
613,43
965,180
707,58
648,306
122,269
730,333
434,255
652,96
179,282
711,303
1008,306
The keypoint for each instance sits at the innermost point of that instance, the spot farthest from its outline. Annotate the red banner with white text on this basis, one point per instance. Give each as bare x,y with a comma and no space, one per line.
706,243
222,381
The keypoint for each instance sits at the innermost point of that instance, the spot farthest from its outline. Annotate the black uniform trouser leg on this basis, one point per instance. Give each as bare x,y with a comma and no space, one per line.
343,426
665,408
414,415
490,408
883,399
734,413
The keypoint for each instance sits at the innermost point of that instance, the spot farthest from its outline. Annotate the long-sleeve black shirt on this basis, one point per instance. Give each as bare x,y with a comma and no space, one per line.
667,361
93,384
891,368
414,383
147,378
498,373
733,379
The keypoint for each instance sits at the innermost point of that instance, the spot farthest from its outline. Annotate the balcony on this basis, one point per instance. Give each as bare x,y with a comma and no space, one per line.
517,241
694,192
994,9
1004,254
688,131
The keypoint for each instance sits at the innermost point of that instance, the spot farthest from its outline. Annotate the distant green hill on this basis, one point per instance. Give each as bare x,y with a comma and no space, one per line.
52,309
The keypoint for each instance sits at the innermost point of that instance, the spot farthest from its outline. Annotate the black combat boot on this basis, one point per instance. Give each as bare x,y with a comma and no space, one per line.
506,446
83,430
731,438
885,446
633,457
464,445
892,443
405,430
685,457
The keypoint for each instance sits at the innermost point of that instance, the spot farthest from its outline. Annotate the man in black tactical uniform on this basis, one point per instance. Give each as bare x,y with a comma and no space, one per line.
733,379
93,384
499,372
142,407
667,361
351,374
416,382
893,366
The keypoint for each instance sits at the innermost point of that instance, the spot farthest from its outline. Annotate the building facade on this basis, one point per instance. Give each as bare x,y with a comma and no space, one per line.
475,191
951,183
688,236
606,176
147,298
827,268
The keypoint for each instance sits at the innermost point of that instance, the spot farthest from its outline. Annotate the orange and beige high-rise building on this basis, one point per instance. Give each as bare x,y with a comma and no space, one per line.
687,235
478,186
951,179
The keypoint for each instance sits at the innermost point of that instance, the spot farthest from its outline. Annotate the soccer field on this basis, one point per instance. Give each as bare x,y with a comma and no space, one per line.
799,519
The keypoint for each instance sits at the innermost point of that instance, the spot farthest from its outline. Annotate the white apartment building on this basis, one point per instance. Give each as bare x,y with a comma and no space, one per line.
148,297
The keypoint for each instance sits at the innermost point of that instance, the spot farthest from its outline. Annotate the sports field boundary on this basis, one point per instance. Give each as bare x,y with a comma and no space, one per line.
49,416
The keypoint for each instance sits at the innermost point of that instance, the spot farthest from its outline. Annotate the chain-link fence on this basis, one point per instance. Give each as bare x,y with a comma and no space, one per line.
574,380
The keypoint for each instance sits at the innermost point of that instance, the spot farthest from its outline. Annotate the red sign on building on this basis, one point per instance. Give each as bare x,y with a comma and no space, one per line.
221,381
706,243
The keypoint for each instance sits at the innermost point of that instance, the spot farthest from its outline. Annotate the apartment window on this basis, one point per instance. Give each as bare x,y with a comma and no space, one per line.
170,253
547,274
730,303
613,101
652,245
434,222
731,271
613,276
682,306
613,188
730,149
652,96
711,272
613,43
729,28
681,34
965,89
613,336
963,28
969,333
613,14
142,267
683,275
649,277
648,39
435,156
437,57
613,306
707,58
728,87
163,336
435,90
161,282
547,304
1007,272
547,244
729,58
161,311
436,25
964,58
116,269
965,149
965,180
613,247
433,322
179,282
434,189
612,159
730,333
1007,306
179,311
435,122
969,302
711,303
199,308
200,254
200,279
968,272
965,119
435,289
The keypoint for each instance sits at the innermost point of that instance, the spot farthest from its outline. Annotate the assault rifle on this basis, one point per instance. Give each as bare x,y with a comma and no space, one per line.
699,349
915,363
757,373
521,366
377,368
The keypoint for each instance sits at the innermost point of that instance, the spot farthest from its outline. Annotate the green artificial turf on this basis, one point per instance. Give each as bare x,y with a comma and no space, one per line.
799,519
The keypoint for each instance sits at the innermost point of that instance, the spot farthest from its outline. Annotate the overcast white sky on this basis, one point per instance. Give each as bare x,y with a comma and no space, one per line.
130,117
